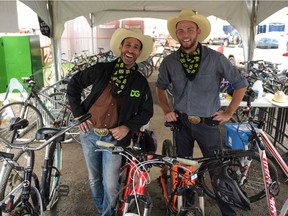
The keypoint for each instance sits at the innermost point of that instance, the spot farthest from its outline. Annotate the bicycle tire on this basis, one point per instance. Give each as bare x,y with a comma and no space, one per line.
75,131
158,62
19,109
145,69
133,207
32,207
169,90
193,212
51,175
11,177
60,111
167,150
253,187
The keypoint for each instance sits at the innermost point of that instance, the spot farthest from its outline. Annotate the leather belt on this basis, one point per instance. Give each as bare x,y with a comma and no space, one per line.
101,131
196,120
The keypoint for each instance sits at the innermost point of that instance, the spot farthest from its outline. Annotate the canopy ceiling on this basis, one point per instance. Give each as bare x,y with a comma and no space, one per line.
243,15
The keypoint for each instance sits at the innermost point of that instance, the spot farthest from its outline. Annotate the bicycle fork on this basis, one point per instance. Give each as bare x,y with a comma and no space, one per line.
139,195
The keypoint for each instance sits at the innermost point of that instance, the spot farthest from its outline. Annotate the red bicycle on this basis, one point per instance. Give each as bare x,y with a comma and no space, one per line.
134,174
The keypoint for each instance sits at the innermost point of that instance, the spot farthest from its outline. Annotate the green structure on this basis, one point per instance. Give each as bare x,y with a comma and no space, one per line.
20,56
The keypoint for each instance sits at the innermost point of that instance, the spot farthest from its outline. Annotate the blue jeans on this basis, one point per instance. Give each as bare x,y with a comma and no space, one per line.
103,172
209,141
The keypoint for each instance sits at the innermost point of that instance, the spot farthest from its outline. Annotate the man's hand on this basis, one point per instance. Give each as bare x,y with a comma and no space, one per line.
171,116
85,126
221,117
119,132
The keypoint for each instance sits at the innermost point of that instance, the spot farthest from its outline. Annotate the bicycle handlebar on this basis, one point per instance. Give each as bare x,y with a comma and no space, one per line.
26,146
167,159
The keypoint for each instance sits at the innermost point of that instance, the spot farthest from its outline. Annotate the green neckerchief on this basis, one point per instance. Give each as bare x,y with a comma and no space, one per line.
191,63
119,77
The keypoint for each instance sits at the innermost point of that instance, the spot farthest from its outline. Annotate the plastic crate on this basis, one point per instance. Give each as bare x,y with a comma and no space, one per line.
237,135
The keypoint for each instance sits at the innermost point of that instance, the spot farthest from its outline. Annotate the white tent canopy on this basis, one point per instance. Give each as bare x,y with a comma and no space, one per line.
243,15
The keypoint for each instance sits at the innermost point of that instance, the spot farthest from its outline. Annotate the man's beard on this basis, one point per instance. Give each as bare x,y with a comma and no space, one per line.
189,46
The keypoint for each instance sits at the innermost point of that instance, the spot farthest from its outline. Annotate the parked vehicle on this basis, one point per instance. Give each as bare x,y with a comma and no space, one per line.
234,38
217,37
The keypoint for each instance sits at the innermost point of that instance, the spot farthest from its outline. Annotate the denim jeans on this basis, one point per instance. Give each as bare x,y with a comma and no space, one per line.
209,141
103,172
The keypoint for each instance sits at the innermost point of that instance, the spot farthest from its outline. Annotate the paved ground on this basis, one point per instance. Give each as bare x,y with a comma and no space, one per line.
74,174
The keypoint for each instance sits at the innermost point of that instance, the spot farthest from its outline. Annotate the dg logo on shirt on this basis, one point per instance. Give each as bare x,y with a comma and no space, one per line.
135,93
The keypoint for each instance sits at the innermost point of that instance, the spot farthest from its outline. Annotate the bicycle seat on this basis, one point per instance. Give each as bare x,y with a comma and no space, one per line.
172,125
47,133
18,123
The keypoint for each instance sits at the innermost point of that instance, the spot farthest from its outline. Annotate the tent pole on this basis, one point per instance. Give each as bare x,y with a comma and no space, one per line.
92,17
56,64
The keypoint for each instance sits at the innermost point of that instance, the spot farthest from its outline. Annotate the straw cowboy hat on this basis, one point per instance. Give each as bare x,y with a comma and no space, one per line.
120,34
187,14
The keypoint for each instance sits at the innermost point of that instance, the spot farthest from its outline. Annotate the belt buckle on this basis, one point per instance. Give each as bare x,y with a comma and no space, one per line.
101,131
194,119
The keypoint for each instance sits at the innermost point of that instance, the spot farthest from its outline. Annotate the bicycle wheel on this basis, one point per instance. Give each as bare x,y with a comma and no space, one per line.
254,184
169,90
193,212
158,62
12,177
166,171
60,111
74,132
48,75
32,207
145,69
19,109
51,175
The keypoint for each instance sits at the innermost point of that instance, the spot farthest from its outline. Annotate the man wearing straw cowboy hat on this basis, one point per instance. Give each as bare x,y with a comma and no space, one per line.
195,72
120,103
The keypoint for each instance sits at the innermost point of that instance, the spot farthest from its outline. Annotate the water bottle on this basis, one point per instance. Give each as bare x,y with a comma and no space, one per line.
258,89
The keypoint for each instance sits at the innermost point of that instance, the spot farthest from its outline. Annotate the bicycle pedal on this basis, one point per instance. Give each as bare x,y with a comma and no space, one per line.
63,190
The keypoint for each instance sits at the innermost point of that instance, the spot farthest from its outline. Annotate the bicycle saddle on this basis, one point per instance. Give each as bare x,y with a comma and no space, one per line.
18,123
47,133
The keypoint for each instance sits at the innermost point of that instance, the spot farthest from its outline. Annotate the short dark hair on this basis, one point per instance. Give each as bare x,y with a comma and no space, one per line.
141,45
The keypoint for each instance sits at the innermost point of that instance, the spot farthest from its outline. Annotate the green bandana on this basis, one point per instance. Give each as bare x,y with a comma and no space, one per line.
119,77
191,63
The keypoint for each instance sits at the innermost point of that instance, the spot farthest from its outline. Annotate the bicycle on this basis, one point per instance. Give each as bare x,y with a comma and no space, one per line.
50,110
28,197
146,67
135,193
178,190
181,172
160,56
134,173
267,172
49,75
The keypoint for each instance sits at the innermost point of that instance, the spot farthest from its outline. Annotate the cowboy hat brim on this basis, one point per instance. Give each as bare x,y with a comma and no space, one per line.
120,34
188,15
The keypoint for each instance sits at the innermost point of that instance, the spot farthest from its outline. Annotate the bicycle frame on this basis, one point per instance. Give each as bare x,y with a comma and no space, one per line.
263,140
176,200
24,188
134,190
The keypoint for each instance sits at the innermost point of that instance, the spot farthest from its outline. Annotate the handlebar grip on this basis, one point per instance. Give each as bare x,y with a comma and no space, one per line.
84,118
104,144
187,161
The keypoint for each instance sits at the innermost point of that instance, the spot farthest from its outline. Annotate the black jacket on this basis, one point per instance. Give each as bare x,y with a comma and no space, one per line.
137,104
